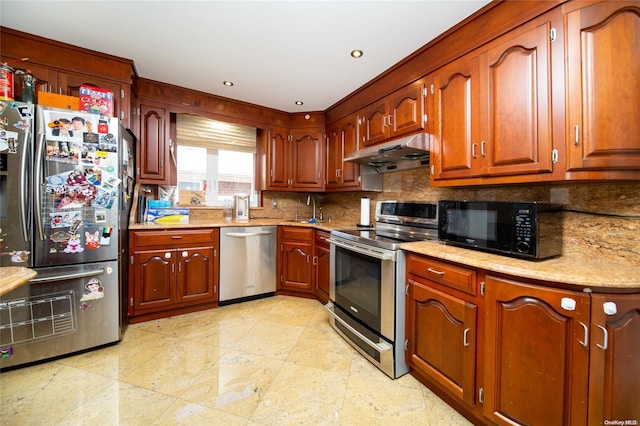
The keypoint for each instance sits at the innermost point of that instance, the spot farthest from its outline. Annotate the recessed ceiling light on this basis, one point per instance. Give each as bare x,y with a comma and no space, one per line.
228,83
357,53
299,102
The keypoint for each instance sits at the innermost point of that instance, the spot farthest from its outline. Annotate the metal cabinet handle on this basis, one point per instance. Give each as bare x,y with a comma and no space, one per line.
465,342
176,237
605,338
315,260
577,139
482,151
434,271
390,118
473,150
586,335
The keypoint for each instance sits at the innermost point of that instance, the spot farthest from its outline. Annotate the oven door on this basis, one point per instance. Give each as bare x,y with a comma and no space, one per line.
362,284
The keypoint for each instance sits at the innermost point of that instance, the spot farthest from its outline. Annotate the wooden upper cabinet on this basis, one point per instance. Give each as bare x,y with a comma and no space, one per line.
492,109
398,114
516,130
279,161
614,361
155,159
342,139
603,87
307,159
455,119
536,363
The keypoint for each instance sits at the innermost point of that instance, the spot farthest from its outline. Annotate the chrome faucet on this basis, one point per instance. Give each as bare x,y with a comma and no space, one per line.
311,199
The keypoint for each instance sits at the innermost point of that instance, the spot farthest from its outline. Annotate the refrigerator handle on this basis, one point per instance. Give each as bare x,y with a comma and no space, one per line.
23,189
37,185
68,276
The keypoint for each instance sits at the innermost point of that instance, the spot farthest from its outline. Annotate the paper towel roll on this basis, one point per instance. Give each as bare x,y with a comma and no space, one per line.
365,205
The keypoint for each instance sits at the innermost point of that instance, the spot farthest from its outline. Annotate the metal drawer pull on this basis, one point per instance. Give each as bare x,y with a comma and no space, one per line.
176,237
586,335
465,342
605,344
435,271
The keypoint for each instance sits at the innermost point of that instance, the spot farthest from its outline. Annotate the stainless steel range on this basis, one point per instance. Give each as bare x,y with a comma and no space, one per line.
368,279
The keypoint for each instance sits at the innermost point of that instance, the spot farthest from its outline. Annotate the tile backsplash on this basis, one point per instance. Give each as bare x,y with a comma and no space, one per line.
601,220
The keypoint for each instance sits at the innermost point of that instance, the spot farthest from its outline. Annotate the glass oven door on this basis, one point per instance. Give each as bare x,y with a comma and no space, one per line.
362,280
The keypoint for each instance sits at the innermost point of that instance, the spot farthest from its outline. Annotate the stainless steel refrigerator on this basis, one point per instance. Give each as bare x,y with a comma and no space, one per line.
66,180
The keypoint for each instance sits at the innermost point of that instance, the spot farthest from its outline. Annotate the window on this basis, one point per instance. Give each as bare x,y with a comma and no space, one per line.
215,161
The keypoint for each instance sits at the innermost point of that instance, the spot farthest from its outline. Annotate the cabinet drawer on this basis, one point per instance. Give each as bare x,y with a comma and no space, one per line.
178,237
297,233
444,273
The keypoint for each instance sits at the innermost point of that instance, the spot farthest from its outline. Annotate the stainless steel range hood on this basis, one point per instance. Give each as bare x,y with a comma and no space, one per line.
409,152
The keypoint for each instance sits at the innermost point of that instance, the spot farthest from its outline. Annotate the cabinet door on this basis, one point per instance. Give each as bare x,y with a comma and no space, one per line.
374,123
279,158
307,159
614,388
406,110
441,334
350,174
537,358
46,79
154,279
321,265
195,277
516,128
334,157
153,147
603,87
296,266
456,131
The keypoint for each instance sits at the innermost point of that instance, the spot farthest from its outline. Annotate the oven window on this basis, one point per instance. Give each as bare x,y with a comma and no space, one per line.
358,286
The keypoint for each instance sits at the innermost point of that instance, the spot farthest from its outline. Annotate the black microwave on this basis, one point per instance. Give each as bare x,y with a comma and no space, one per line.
528,230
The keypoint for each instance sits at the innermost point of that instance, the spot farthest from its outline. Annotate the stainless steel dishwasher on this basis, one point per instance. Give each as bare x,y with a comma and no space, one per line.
247,262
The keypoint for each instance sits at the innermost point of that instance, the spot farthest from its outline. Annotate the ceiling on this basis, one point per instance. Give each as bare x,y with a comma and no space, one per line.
275,52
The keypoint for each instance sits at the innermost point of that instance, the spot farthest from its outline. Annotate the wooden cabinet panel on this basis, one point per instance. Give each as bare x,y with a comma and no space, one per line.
296,266
537,354
164,238
441,334
342,139
307,149
453,276
321,260
155,279
614,361
455,119
374,119
279,161
154,155
603,87
196,274
518,136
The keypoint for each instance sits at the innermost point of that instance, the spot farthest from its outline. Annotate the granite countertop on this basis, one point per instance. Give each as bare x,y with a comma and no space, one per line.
12,277
580,272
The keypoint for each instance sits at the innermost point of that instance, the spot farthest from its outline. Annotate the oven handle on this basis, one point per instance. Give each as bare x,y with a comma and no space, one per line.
380,347
372,253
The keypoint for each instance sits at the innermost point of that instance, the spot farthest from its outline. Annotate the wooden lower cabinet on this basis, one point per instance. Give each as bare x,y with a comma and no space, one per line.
321,258
536,354
295,260
441,339
172,271
522,352
614,358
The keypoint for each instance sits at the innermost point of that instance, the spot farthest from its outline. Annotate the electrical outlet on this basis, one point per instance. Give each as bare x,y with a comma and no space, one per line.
274,204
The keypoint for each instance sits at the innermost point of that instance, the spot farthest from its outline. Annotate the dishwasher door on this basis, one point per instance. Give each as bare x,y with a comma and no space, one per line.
247,262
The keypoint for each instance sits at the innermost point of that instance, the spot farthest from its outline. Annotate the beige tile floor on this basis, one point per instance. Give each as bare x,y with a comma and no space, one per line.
272,361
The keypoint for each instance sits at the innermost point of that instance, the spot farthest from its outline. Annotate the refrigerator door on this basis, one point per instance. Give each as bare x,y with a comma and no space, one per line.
76,188
16,121
63,310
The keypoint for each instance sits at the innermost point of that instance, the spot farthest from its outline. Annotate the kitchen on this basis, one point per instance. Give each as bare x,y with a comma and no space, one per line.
599,218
